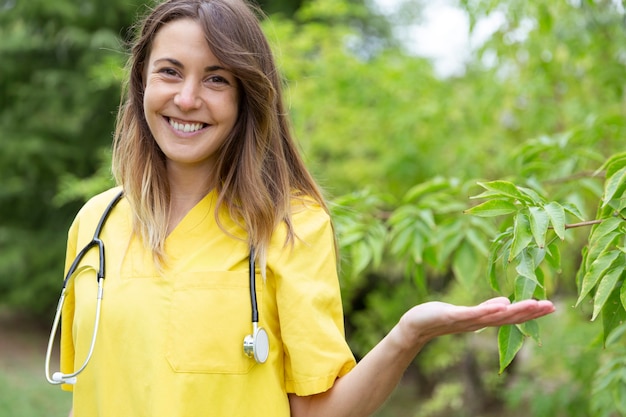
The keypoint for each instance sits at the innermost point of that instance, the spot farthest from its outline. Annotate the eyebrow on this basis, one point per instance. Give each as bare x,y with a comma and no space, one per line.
179,64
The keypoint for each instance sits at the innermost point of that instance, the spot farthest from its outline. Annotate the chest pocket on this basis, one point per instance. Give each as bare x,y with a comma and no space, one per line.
209,317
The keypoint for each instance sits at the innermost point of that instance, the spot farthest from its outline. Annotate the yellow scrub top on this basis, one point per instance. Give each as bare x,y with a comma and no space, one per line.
170,344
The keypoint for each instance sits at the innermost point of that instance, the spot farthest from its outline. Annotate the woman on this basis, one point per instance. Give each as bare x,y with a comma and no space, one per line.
209,170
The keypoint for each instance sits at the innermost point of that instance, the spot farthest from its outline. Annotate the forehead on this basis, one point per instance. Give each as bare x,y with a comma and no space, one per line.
181,37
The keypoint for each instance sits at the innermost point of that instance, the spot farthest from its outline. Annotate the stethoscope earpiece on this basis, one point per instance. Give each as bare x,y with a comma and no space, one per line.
60,378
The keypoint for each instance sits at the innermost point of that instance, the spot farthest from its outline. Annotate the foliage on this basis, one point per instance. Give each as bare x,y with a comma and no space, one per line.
59,85
525,244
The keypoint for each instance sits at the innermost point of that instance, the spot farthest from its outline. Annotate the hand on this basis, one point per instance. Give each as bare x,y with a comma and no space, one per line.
429,320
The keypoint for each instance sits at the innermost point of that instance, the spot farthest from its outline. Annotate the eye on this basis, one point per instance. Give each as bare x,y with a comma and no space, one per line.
216,79
170,72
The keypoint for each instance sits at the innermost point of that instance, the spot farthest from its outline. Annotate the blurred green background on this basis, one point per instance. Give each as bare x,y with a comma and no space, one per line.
540,100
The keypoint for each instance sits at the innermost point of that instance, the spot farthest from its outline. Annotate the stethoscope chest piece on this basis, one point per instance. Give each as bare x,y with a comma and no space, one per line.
257,345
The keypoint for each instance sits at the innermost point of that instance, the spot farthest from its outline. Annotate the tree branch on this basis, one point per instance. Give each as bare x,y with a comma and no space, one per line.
583,224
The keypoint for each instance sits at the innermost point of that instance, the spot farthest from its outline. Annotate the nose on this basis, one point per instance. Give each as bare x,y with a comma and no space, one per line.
188,97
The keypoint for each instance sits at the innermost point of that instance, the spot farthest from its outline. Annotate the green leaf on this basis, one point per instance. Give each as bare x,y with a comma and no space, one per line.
613,314
526,266
601,238
428,218
597,270
606,286
485,226
613,185
522,235
427,187
616,336
417,250
495,252
539,222
538,255
503,189
492,208
540,291
524,288
582,271
601,245
448,242
403,240
361,257
377,240
532,195
606,227
618,392
573,210
530,328
554,257
557,218
465,267
614,164
510,341
491,270
350,236
477,242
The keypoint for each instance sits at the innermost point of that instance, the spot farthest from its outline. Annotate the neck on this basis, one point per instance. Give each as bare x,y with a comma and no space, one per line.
189,182
187,188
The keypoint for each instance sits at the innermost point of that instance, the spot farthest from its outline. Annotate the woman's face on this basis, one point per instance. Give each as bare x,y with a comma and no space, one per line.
190,99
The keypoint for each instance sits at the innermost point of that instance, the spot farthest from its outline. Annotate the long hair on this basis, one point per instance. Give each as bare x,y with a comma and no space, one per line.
259,169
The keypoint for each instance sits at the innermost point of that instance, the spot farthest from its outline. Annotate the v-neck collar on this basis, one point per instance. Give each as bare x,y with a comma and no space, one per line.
194,217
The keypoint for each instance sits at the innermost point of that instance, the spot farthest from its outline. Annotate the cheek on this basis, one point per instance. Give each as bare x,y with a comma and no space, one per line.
146,107
148,97
234,108
150,106
151,101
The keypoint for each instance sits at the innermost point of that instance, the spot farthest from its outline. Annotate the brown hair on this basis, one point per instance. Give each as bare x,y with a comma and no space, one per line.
259,169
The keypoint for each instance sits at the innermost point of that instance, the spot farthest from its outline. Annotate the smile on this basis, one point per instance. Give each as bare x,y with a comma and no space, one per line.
186,127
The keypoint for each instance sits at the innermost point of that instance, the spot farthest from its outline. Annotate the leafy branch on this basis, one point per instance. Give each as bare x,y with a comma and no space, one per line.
532,237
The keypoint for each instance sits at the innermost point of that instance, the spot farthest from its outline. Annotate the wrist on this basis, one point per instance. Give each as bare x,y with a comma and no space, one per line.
406,338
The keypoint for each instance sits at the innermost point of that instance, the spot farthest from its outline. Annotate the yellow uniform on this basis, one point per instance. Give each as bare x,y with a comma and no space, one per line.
171,344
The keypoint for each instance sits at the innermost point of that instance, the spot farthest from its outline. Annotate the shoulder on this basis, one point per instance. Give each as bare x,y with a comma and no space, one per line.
93,209
88,216
100,201
309,221
306,212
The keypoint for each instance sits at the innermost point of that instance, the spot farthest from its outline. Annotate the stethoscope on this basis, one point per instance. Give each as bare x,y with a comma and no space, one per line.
255,345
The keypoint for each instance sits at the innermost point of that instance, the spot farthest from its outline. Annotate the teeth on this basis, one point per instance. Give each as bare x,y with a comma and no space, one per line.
186,127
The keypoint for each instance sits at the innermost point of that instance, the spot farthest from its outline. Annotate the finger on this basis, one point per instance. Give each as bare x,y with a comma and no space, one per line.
496,300
520,313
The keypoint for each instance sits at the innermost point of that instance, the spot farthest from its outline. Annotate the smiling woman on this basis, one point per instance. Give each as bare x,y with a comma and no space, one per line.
190,105
217,223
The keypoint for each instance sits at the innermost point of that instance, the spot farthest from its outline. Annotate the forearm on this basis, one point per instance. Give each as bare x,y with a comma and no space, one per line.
368,385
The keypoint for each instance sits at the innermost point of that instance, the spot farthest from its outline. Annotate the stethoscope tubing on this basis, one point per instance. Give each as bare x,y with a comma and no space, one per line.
59,377
252,275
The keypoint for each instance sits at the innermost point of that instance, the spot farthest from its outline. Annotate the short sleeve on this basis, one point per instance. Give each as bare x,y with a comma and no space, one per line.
67,314
309,305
